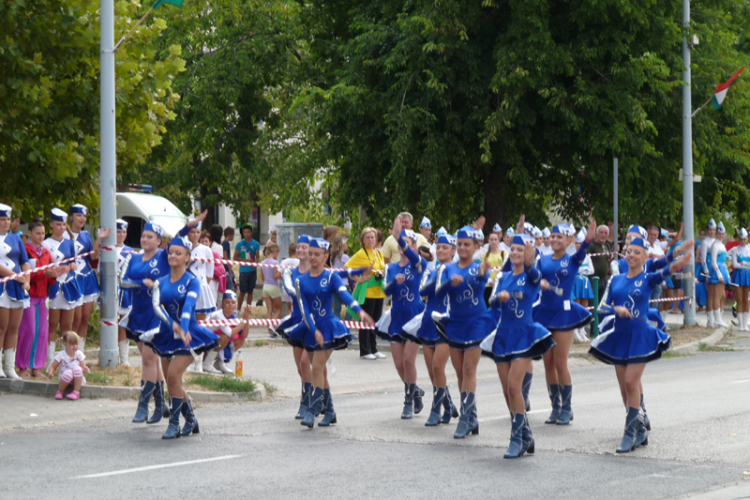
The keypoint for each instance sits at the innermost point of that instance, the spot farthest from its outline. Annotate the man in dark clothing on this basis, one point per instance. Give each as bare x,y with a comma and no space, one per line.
601,263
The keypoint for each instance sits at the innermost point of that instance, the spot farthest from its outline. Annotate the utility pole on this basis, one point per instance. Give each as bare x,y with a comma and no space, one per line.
108,179
616,212
687,168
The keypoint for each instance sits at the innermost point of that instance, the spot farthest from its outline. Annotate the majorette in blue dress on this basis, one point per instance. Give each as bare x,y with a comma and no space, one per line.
13,256
406,301
467,321
422,327
64,294
124,295
293,327
141,318
556,311
175,302
631,341
741,264
717,263
517,335
84,275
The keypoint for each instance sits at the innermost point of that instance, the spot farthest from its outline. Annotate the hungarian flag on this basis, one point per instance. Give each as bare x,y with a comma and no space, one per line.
721,90
176,3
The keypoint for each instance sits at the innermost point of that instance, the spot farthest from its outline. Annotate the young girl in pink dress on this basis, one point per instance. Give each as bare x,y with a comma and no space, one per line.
72,366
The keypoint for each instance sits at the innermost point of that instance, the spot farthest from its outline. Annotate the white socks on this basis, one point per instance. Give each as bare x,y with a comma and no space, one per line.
124,348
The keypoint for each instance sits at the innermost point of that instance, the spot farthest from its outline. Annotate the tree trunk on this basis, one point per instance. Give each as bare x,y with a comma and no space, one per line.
495,198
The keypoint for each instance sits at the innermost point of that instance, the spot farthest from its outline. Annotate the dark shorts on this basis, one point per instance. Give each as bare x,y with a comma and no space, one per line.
247,282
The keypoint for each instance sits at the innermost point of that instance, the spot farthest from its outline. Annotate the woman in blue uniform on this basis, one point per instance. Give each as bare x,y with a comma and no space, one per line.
124,296
633,341
325,331
467,323
435,347
64,295
741,278
180,337
138,275
14,294
518,338
560,315
718,276
85,275
293,327
401,282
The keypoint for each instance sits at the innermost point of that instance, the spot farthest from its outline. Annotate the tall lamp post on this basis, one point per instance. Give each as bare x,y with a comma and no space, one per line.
687,167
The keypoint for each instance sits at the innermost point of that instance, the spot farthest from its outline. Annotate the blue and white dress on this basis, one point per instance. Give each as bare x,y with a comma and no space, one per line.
315,299
631,341
717,263
422,327
64,294
741,265
517,335
582,286
85,275
124,295
406,301
141,318
176,302
556,310
293,327
467,321
13,256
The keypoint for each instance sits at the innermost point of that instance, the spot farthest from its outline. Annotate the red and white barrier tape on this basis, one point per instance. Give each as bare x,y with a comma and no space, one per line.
44,268
358,325
669,299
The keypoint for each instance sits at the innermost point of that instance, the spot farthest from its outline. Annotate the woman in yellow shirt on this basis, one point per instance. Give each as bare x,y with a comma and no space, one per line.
496,258
372,284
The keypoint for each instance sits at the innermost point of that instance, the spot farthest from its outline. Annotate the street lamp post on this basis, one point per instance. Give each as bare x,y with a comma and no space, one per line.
687,168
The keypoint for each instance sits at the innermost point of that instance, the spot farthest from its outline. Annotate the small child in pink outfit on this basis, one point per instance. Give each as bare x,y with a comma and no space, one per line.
72,366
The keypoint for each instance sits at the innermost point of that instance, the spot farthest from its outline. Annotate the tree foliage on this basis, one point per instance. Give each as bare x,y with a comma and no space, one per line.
239,55
49,100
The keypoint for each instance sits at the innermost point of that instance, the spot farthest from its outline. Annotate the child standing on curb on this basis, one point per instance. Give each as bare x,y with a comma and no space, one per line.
72,366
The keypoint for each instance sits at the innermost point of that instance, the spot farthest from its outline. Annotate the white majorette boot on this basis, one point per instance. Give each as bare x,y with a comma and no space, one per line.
710,321
123,347
50,354
718,321
219,365
208,363
2,375
10,364
198,365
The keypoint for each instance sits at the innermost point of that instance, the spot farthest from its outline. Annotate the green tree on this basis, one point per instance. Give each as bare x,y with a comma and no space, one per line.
454,108
49,100
240,56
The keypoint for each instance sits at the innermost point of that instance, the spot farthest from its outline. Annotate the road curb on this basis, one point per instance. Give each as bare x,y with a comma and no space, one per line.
694,347
48,389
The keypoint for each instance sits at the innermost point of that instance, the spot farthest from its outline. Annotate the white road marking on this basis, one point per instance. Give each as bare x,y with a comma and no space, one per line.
503,417
740,381
153,467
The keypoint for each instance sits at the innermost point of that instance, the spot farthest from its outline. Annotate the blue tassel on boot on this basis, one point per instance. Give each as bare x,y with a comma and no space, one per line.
418,403
191,423
450,408
314,407
525,388
408,411
566,412
528,437
438,398
160,404
330,414
173,431
628,439
515,449
554,396
646,420
141,414
306,391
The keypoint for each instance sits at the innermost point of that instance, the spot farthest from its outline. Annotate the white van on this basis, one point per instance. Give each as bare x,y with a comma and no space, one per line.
139,208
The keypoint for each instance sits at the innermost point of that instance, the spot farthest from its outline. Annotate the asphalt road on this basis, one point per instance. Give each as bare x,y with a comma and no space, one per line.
699,446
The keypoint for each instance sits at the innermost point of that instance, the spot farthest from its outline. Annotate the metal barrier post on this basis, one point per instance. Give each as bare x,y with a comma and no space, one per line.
595,285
